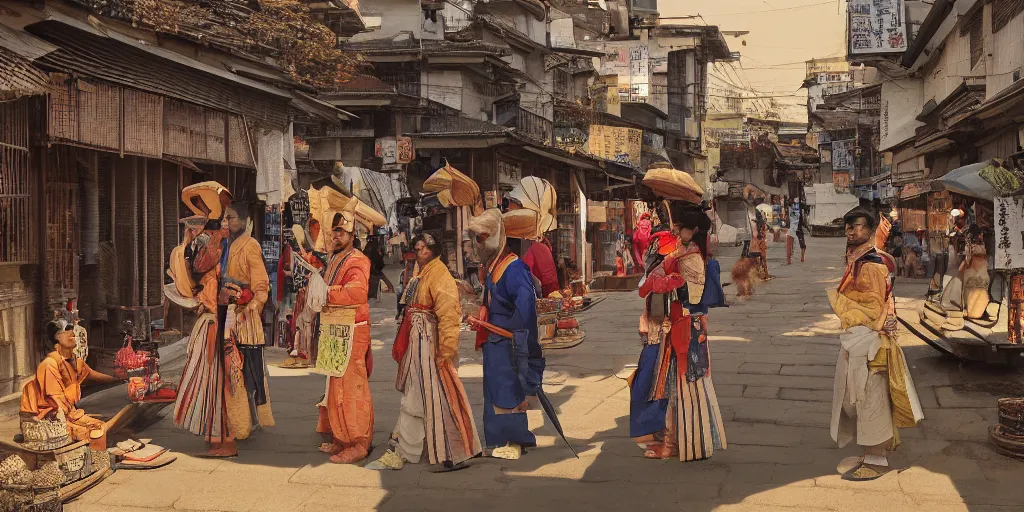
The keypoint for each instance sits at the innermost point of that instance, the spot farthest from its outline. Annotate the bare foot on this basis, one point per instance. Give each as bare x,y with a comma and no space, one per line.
329,448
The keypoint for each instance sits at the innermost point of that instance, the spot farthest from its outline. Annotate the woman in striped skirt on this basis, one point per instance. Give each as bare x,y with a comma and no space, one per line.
679,377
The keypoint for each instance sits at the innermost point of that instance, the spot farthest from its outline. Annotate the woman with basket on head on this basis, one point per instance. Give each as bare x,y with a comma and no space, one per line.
674,410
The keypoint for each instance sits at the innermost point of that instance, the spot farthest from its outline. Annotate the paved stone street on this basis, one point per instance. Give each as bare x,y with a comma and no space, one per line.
773,359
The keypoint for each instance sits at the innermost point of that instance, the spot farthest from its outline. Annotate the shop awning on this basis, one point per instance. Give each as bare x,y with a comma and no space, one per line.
562,156
983,180
913,190
872,180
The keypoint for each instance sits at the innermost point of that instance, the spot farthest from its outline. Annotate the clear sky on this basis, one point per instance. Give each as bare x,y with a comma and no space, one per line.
783,34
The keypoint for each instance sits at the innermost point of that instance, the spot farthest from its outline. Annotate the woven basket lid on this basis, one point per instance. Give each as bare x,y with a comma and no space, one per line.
538,195
521,223
674,184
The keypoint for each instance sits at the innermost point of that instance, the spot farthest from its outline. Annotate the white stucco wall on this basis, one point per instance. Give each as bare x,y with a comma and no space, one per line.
444,86
396,16
902,101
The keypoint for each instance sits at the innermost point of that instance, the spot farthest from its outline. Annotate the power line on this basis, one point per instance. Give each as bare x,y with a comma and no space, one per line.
793,8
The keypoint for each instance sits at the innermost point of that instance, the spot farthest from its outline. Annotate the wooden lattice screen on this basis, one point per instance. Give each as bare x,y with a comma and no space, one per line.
15,183
62,229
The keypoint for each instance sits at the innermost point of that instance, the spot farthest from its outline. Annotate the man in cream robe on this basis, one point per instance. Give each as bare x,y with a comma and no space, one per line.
874,394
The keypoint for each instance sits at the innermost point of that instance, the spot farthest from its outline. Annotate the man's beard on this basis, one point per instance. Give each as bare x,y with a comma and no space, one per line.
339,247
852,244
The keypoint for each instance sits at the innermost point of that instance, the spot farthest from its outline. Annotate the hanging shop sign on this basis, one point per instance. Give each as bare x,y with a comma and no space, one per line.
386,148
1009,227
843,153
404,151
620,145
509,173
876,26
597,211
841,180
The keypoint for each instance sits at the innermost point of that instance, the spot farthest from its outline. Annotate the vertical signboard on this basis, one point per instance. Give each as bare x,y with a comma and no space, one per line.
639,72
843,153
876,26
1009,224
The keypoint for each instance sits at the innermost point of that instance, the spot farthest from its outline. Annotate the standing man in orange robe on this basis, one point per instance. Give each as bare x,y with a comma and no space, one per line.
346,413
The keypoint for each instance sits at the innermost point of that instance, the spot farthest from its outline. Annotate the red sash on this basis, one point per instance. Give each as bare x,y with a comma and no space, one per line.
481,333
401,344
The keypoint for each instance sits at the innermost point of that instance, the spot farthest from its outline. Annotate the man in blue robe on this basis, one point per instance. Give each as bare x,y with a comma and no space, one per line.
513,367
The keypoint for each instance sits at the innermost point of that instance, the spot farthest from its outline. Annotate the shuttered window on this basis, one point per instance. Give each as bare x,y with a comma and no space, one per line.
972,26
1004,11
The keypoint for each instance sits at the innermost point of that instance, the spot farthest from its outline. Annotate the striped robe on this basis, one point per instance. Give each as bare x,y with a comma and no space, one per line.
435,412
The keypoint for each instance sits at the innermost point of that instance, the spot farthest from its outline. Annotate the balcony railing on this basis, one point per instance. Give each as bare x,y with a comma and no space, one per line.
524,122
455,124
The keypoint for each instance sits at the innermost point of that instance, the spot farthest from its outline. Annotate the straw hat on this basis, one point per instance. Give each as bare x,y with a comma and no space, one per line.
333,208
452,187
208,199
674,184
538,214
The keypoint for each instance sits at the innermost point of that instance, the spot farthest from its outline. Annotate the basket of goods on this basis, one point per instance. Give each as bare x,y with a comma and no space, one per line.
74,462
1008,435
546,328
567,327
24,490
1011,415
547,306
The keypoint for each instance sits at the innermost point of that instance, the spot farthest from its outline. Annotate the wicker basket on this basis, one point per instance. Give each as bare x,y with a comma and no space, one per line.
76,463
45,434
1011,415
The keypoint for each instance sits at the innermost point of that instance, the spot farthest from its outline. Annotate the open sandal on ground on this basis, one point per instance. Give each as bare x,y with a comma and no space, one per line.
864,473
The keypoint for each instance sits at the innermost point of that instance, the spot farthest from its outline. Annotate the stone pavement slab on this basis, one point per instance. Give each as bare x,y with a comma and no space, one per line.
773,363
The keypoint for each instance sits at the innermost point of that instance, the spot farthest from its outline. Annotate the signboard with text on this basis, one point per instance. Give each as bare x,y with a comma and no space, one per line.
620,145
1009,227
876,26
842,181
843,153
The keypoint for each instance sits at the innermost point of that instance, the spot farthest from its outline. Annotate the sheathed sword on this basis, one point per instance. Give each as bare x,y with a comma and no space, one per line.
542,397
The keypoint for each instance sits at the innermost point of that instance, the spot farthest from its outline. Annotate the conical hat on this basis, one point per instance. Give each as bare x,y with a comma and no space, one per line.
453,188
674,184
538,214
208,199
324,204
327,202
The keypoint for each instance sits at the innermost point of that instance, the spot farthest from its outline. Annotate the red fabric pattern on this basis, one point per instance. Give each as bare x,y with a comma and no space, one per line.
542,265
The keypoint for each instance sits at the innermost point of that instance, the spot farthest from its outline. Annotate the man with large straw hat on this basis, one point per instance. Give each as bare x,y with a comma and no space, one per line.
212,399
346,411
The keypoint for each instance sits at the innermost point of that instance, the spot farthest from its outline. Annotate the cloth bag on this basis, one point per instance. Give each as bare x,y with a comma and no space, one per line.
337,330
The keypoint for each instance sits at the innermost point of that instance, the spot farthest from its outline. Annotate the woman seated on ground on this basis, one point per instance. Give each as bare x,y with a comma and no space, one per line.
57,387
